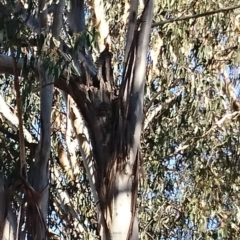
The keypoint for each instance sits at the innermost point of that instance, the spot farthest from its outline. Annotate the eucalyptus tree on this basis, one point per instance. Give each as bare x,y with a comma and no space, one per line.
71,113
112,113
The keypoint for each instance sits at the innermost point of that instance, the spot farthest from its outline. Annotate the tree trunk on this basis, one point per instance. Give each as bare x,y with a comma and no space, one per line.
123,219
8,224
39,172
114,124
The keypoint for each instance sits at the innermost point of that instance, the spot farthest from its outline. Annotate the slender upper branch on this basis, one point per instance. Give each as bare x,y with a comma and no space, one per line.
42,14
57,21
76,16
137,93
132,21
184,18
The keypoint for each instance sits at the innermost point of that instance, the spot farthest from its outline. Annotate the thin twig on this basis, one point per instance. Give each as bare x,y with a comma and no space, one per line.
184,18
152,101
228,116
149,116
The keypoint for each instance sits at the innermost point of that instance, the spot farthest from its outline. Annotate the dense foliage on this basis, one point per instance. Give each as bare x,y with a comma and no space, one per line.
189,176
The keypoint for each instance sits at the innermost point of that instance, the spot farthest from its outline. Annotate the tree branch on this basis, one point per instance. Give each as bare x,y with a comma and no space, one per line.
6,65
184,18
76,16
57,20
137,92
13,119
31,21
15,137
132,21
151,115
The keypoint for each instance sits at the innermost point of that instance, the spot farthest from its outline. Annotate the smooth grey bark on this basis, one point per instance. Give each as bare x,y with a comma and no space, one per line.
44,146
124,183
76,16
137,93
39,172
58,19
132,21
